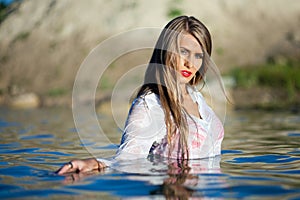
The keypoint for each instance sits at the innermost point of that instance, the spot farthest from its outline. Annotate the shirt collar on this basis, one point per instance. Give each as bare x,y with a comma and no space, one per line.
193,93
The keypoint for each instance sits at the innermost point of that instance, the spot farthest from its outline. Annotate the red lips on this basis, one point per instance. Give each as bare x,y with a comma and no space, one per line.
186,73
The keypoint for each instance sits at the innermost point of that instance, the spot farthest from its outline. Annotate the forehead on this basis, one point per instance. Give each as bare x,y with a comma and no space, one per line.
190,42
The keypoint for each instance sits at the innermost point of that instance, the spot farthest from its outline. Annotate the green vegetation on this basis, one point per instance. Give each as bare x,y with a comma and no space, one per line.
56,92
22,36
174,9
2,11
105,83
174,12
220,51
3,58
283,76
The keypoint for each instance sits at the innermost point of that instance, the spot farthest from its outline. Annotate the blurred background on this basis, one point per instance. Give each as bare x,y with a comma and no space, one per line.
256,45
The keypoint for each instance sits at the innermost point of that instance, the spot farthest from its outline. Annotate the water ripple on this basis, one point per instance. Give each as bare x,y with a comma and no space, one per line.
260,160
265,159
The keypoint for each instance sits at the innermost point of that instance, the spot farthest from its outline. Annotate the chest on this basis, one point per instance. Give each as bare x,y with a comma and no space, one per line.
191,107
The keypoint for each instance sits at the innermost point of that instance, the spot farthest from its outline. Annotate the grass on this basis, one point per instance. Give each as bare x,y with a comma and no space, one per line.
283,76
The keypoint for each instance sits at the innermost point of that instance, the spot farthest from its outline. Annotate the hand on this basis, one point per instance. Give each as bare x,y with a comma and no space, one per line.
83,165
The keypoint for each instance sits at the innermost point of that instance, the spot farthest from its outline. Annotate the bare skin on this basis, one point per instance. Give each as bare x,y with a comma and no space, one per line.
190,60
190,106
81,166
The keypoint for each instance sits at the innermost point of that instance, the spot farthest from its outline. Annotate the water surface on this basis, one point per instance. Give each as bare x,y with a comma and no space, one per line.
260,160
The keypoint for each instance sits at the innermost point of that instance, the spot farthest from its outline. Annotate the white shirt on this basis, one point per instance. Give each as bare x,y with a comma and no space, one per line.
145,131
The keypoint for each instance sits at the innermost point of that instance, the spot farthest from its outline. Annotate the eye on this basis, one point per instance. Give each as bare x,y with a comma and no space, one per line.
199,55
183,51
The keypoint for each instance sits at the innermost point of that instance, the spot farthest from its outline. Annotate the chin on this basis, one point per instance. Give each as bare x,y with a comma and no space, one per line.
184,81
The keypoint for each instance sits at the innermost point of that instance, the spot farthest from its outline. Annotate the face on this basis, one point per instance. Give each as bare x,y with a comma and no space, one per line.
190,57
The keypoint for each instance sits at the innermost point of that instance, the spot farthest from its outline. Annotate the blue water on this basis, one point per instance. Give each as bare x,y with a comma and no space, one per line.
260,160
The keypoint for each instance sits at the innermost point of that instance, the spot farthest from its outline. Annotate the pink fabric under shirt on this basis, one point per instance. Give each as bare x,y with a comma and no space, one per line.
145,131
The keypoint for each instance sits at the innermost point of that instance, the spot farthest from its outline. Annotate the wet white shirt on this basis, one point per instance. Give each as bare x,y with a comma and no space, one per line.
145,131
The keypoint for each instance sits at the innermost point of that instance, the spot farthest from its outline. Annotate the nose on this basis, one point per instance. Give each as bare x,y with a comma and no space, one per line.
188,63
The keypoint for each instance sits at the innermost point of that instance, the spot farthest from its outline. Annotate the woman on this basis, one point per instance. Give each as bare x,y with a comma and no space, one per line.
169,117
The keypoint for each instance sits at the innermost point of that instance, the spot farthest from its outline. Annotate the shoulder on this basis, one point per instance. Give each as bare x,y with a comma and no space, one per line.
145,104
149,100
145,112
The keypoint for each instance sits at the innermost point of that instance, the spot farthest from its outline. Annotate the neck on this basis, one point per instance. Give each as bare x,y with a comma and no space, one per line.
184,89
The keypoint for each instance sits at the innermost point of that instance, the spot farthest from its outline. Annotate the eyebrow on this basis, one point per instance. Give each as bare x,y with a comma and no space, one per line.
186,49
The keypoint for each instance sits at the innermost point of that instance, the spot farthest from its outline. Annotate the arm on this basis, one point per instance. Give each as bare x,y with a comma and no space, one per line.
145,124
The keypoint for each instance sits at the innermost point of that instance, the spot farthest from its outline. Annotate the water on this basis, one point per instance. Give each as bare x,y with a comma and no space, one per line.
260,160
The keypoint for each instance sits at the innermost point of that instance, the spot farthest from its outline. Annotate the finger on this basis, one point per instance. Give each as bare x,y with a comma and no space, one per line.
67,168
64,169
101,165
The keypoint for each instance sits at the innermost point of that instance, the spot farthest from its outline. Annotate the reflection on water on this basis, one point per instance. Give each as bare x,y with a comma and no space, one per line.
260,159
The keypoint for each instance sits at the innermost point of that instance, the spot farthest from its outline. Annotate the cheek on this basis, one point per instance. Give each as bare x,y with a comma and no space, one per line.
180,61
198,64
